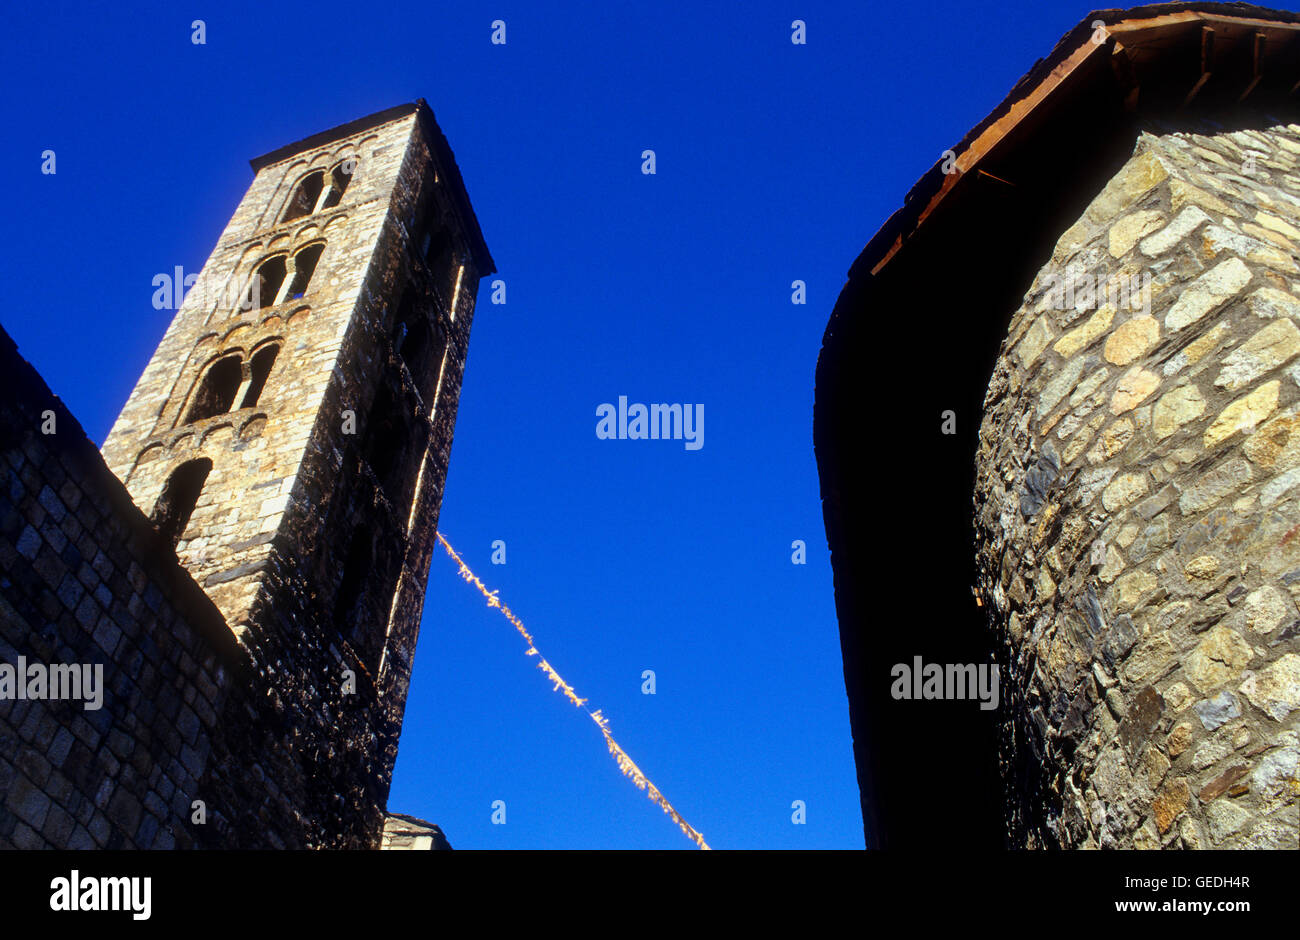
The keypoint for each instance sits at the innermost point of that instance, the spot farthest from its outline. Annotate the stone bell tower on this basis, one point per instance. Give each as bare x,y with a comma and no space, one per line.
290,435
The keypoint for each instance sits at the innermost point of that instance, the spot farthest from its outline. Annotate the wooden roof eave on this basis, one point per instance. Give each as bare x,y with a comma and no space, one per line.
1128,37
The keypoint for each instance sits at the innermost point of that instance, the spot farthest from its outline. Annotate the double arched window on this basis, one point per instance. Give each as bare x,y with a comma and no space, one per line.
280,278
231,379
319,190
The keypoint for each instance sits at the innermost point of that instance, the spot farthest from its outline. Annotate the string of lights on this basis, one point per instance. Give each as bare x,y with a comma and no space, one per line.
625,763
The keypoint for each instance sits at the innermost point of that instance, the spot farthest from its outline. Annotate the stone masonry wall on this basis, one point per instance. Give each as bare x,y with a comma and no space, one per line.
1137,509
406,833
87,580
254,690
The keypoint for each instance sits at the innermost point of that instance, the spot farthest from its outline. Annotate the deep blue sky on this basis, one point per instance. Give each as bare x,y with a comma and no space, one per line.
775,162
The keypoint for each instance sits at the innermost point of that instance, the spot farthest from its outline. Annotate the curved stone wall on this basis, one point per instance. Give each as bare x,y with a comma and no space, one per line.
1137,508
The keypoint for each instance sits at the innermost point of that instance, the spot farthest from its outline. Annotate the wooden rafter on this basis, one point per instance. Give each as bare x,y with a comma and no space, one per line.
1207,57
1257,65
1121,64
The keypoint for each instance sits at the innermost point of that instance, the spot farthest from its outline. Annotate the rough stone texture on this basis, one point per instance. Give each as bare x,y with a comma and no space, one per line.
262,665
1152,683
71,542
407,833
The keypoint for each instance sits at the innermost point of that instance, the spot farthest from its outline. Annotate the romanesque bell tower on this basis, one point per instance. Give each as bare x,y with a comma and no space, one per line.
290,438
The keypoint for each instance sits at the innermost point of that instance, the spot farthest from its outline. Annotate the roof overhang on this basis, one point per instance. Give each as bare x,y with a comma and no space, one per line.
1163,56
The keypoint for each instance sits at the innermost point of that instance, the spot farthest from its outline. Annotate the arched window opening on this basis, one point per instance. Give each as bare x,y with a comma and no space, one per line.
365,592
305,196
430,210
304,267
385,440
416,343
340,177
217,390
419,347
356,568
437,248
393,445
264,288
402,325
171,514
258,370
